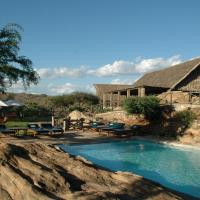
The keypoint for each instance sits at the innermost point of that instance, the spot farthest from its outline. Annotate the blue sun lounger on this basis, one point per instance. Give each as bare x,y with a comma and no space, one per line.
35,128
5,130
51,129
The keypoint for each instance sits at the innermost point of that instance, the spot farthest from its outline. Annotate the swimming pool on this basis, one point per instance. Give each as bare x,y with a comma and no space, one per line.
176,168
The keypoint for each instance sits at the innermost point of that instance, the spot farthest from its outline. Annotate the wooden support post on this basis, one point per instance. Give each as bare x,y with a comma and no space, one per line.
53,120
199,97
171,98
128,93
81,123
52,117
111,100
104,100
142,92
118,98
190,97
66,123
139,93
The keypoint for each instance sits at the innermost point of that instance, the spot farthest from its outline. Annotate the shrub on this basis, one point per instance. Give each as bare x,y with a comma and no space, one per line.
186,117
99,109
75,101
147,106
33,111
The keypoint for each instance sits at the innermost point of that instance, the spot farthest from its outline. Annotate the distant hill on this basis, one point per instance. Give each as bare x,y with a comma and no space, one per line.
41,100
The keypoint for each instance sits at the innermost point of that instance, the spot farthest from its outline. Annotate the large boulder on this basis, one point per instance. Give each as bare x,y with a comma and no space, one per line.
74,115
120,116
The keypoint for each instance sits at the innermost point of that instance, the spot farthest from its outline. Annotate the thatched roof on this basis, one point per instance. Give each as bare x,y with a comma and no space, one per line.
105,88
168,77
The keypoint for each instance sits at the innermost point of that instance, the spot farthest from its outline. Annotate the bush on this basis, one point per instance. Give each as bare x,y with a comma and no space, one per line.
99,109
186,117
32,111
147,106
75,101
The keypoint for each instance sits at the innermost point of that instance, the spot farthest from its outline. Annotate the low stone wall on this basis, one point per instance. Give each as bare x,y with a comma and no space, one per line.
120,116
196,124
115,116
191,136
185,106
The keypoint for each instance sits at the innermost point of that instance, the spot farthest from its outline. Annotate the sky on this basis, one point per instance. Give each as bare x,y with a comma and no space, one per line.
76,43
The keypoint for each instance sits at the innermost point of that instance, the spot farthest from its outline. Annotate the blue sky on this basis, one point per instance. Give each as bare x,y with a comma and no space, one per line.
76,43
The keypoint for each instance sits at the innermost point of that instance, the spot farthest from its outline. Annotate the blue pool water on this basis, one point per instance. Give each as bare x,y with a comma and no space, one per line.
175,168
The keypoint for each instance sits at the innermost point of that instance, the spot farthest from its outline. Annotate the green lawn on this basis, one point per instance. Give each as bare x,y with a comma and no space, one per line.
25,121
10,124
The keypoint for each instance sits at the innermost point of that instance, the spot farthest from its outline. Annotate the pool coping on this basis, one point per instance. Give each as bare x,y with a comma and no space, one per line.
155,140
170,143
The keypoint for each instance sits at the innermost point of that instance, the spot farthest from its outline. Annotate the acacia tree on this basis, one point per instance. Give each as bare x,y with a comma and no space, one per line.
12,66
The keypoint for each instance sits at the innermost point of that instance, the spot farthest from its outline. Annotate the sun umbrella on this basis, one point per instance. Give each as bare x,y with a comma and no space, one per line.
13,103
3,104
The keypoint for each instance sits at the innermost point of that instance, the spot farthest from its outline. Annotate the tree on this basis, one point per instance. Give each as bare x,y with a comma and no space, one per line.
12,66
84,98
148,106
75,101
186,117
78,98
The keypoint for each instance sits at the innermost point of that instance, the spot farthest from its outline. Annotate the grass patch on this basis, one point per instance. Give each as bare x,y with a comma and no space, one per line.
10,124
24,122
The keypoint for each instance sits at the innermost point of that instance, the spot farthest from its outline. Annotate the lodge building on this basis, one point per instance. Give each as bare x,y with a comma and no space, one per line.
176,84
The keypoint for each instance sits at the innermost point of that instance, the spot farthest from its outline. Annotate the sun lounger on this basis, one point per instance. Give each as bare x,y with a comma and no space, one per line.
112,126
5,130
123,132
50,128
20,130
126,131
97,125
35,128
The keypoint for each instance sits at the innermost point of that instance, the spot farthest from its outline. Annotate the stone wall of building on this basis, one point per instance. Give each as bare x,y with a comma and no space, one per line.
174,96
179,97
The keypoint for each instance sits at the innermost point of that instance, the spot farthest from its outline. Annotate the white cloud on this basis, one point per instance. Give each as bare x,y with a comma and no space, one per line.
116,68
52,88
68,88
51,82
136,67
122,81
195,57
147,65
60,72
34,89
90,88
17,87
119,67
44,72
63,89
